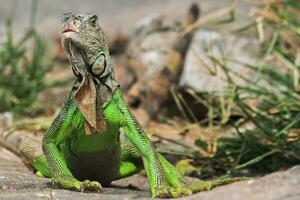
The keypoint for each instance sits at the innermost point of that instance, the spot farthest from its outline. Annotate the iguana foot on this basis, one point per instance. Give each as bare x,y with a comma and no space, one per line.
181,191
91,186
192,186
167,192
199,186
72,183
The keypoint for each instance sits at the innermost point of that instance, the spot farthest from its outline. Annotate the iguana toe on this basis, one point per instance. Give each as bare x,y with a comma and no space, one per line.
167,192
162,192
91,186
178,192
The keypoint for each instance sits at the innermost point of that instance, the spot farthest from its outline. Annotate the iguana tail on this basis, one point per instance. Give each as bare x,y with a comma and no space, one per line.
32,154
199,186
30,148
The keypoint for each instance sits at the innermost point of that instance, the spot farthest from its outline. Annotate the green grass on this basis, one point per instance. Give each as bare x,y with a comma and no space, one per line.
267,131
23,66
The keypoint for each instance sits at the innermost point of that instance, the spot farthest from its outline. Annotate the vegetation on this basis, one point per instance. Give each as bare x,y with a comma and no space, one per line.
266,134
22,70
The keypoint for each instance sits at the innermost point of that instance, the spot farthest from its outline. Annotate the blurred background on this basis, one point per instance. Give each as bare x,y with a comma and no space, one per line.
115,16
214,82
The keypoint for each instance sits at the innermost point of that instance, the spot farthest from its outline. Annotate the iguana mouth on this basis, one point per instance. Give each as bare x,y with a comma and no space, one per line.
66,30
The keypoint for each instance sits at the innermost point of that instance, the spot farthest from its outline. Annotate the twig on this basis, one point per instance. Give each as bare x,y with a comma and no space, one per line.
171,140
209,17
178,103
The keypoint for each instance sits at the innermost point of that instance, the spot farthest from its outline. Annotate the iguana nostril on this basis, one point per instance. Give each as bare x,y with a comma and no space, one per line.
73,22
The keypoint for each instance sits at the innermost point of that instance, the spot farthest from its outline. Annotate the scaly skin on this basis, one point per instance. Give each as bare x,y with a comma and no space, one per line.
75,158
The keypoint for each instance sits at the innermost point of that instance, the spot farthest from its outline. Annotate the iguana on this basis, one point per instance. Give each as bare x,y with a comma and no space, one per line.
81,149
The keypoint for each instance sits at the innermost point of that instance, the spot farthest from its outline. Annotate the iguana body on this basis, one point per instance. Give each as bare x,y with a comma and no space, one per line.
82,148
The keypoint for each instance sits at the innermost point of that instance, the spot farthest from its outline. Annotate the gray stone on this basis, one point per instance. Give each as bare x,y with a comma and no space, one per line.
202,74
156,52
283,185
18,182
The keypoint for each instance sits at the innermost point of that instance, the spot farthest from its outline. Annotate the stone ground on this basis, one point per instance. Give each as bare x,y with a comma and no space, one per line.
18,182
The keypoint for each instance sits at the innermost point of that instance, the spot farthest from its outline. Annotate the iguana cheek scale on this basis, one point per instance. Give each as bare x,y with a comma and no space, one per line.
81,149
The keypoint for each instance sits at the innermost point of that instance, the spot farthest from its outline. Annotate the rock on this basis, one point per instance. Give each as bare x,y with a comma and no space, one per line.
18,182
6,120
118,44
156,52
202,74
142,116
124,75
279,185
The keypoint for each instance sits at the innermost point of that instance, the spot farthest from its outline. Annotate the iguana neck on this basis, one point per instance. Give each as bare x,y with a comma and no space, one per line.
106,83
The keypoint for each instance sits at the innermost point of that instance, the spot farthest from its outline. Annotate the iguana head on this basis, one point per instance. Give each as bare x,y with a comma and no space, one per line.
86,47
82,40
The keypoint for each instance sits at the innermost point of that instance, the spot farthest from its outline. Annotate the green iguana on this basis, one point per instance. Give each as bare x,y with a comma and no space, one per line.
81,149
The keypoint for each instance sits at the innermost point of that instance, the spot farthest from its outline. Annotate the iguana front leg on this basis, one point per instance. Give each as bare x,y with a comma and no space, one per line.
59,131
161,185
